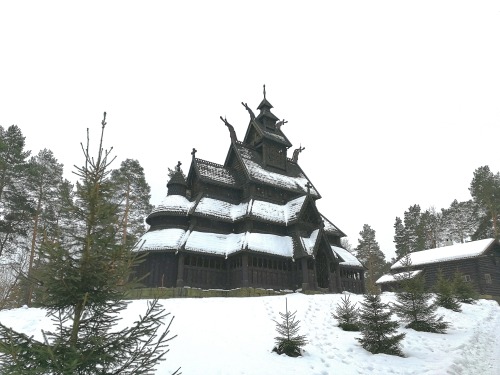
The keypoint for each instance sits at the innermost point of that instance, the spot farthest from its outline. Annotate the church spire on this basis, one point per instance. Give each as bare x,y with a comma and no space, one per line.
266,117
177,184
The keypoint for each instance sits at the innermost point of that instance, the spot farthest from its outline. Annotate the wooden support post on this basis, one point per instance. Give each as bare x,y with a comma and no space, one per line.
244,269
180,271
305,274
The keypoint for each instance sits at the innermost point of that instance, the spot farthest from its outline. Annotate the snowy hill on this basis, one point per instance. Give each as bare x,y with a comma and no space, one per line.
235,336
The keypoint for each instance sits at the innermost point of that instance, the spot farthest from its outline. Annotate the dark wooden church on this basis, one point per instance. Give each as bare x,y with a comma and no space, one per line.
251,222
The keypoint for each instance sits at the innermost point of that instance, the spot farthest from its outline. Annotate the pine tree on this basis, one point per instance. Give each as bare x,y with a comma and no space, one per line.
16,211
289,341
414,305
432,227
369,254
12,158
400,239
344,243
15,206
445,296
44,178
413,229
347,314
377,329
132,193
461,220
85,277
485,190
463,290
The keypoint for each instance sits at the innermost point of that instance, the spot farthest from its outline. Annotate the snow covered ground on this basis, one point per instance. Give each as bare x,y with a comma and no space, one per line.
233,336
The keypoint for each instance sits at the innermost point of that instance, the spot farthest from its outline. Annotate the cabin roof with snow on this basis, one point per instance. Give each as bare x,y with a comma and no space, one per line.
347,258
391,278
447,253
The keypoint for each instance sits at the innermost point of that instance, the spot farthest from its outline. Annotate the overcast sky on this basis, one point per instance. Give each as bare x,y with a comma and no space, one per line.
396,102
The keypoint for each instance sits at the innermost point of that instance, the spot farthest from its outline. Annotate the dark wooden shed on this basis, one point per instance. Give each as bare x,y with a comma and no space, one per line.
477,261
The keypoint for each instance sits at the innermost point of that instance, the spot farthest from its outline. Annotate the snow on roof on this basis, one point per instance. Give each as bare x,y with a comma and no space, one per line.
163,239
219,208
330,227
174,203
268,211
259,173
293,208
309,242
447,253
389,278
276,213
215,243
215,172
270,243
349,259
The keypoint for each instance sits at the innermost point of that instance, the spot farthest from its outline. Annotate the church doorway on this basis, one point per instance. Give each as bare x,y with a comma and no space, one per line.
322,270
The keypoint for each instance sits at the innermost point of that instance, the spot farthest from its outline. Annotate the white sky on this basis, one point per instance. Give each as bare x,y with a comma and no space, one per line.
396,103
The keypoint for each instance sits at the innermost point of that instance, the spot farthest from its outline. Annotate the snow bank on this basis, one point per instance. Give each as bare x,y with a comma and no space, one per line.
234,336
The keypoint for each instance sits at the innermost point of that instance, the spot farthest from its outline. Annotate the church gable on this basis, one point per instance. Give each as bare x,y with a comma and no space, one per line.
331,228
253,135
293,180
309,213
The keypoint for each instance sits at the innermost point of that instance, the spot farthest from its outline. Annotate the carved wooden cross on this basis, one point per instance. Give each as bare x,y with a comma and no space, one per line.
308,186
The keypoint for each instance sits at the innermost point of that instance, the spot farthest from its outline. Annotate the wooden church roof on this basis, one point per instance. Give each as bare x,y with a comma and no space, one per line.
294,179
244,166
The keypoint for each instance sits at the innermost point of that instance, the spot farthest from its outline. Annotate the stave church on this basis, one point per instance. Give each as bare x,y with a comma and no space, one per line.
251,222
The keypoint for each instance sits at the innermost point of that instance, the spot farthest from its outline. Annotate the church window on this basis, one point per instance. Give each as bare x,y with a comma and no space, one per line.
487,278
467,278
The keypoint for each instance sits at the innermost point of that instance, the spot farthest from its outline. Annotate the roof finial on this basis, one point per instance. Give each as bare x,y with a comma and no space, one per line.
279,124
308,186
194,152
296,153
178,166
252,116
264,91
232,133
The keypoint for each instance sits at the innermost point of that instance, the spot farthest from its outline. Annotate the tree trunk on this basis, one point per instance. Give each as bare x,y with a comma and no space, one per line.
29,294
125,215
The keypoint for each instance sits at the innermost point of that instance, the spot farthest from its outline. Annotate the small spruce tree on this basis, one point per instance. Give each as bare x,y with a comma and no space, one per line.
445,296
289,341
464,290
84,277
414,305
347,314
377,329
